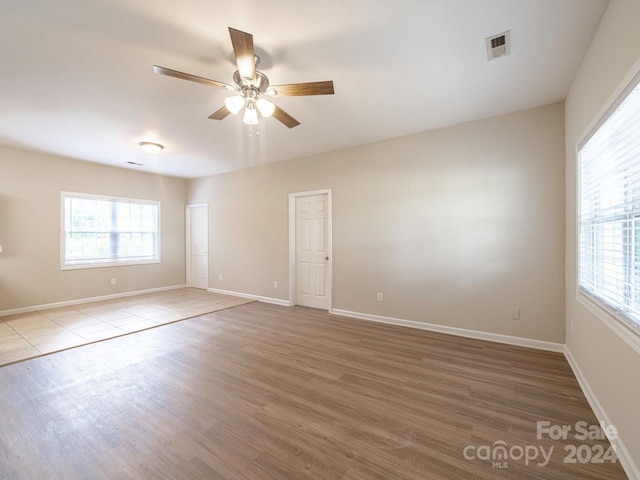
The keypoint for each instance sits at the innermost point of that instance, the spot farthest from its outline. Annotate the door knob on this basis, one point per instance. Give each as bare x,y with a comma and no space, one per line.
326,258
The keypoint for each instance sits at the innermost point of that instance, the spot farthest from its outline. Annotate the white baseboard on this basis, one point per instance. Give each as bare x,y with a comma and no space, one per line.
68,303
275,301
627,462
461,332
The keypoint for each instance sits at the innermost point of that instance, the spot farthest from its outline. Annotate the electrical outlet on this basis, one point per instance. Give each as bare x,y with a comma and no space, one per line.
380,297
275,284
515,313
220,277
114,281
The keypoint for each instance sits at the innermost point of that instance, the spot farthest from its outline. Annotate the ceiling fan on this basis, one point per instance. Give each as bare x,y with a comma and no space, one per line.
252,86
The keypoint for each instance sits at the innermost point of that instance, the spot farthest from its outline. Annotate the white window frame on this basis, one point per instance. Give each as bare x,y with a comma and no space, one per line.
625,327
113,261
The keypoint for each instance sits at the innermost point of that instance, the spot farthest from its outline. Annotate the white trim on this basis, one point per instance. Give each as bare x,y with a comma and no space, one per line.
461,332
629,77
78,301
109,264
626,461
275,301
611,106
292,243
292,250
618,326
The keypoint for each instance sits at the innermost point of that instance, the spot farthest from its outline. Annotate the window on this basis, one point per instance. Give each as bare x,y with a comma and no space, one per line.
103,231
609,212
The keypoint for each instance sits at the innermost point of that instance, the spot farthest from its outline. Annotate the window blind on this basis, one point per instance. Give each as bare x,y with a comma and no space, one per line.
609,210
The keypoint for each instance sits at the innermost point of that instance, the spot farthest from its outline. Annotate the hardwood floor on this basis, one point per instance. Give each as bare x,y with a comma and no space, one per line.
266,392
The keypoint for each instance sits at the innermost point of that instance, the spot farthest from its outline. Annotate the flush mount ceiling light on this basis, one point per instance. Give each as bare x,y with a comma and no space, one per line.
151,147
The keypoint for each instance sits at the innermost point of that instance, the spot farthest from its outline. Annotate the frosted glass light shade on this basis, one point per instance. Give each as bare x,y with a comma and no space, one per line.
151,147
266,107
250,114
234,104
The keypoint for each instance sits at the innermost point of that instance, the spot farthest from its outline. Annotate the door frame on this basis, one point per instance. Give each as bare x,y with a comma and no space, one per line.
187,223
292,244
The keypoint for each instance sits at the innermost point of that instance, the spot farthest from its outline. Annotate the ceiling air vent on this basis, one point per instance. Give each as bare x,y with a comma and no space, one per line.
498,45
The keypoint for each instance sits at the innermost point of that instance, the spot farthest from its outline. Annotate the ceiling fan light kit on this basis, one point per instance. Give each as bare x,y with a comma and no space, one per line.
250,114
251,84
234,104
249,98
265,107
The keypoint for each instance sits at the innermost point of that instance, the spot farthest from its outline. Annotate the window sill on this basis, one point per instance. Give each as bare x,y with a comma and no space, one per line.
628,333
81,266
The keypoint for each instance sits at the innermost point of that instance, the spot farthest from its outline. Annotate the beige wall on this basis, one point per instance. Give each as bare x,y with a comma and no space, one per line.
608,364
455,226
30,186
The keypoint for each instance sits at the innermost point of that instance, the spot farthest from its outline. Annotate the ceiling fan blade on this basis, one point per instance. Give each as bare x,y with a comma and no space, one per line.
284,118
192,78
299,89
244,52
219,114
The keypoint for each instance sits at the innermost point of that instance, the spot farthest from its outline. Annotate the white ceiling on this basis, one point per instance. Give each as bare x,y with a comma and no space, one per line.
76,77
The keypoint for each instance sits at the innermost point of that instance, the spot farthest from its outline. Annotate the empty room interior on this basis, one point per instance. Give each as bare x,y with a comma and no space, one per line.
320,239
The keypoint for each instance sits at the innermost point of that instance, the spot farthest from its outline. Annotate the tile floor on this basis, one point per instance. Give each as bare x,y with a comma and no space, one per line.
28,335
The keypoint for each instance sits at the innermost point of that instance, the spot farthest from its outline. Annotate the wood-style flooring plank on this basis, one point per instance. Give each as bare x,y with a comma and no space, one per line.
264,392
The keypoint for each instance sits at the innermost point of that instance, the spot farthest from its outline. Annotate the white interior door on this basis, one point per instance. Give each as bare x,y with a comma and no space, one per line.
198,246
312,251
